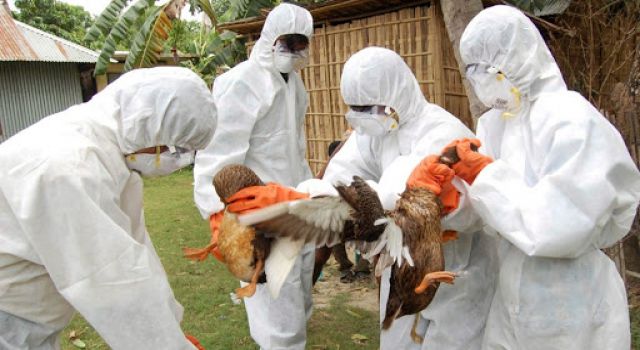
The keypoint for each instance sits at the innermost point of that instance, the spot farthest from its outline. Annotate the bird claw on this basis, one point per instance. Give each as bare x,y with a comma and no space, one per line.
247,291
438,276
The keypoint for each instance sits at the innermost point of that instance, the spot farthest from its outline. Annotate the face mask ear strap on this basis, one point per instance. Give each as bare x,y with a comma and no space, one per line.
158,156
516,93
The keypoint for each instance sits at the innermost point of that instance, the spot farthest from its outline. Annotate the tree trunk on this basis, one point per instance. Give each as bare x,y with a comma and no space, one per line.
457,14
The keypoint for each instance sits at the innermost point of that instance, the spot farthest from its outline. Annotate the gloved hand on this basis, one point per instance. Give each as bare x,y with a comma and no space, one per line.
257,197
212,248
431,174
470,162
435,176
193,340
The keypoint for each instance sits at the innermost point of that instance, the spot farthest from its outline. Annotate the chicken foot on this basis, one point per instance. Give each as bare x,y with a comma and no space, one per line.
250,289
438,276
199,253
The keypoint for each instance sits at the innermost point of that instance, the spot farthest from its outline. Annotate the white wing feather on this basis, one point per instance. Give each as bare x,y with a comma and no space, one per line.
320,220
283,255
390,245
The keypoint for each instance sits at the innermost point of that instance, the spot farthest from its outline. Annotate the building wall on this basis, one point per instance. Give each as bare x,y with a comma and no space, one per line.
30,91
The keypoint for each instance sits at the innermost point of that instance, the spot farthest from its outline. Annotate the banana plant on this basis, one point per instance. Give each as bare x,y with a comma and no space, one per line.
150,23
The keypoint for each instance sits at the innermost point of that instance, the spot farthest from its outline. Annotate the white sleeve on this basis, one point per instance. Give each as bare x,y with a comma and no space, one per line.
347,163
238,107
585,197
79,233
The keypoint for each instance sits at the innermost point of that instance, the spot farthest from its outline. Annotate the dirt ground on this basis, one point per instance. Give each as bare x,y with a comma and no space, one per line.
362,293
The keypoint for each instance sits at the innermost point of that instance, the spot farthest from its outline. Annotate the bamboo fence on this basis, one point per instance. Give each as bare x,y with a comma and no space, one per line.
417,34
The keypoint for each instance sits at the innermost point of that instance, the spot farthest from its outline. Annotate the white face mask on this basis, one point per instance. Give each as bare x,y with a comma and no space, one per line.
372,121
493,89
286,61
159,164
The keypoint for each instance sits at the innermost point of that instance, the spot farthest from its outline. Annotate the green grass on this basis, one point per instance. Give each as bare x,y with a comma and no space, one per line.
635,327
203,288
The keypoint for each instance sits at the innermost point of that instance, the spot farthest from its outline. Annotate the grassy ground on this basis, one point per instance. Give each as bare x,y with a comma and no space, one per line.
203,288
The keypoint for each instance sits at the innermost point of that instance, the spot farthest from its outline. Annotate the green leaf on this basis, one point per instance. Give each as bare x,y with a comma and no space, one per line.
246,8
78,343
108,49
354,314
228,35
148,42
359,338
205,6
106,20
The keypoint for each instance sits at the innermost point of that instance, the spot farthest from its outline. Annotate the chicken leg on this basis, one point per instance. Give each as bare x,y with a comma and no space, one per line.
438,276
199,253
250,289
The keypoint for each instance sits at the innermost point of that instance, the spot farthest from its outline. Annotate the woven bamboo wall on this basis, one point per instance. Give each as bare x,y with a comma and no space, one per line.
416,33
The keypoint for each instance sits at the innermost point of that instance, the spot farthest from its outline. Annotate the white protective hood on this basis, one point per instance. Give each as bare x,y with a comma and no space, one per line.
152,105
283,19
521,54
365,83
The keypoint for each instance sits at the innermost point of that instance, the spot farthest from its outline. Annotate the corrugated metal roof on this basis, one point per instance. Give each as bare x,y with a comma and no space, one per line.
22,42
50,48
13,45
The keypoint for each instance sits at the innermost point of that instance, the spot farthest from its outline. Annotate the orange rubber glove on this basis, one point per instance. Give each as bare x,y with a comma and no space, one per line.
212,248
450,197
194,341
435,176
471,162
257,197
431,174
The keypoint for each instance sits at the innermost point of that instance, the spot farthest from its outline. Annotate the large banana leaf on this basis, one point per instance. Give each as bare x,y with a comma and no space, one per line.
149,41
205,6
106,20
120,31
245,8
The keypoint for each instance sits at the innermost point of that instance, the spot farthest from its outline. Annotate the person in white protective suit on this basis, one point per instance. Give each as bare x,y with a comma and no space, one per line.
561,187
378,86
72,230
261,104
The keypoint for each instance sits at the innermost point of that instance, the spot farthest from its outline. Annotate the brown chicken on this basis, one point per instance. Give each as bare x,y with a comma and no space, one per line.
243,249
412,288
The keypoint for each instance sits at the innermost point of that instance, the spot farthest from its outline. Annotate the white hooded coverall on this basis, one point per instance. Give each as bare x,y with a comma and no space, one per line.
375,76
72,231
562,187
261,125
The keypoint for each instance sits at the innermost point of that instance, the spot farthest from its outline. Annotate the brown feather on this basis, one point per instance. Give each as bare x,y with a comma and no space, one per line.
366,210
232,178
417,213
